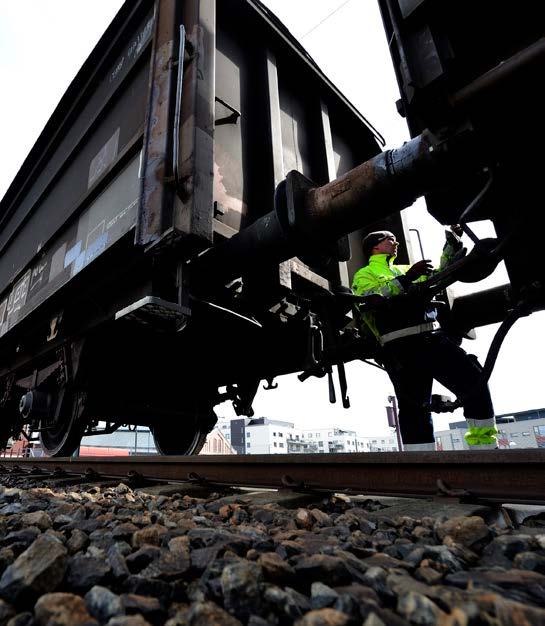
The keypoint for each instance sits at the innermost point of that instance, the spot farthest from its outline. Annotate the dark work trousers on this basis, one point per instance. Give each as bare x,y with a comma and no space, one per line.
414,362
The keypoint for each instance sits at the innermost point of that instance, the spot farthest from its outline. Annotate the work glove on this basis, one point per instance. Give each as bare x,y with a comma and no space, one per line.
421,268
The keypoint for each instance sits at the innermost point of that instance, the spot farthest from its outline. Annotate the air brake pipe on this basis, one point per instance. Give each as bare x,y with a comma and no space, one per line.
314,217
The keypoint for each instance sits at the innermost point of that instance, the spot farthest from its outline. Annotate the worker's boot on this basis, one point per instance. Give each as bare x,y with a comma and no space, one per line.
419,447
482,434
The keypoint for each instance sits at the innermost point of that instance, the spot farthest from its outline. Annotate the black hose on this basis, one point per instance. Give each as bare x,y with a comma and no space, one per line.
519,311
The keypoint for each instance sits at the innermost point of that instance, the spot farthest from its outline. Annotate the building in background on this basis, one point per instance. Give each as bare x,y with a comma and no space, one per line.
216,443
525,429
136,440
264,435
140,441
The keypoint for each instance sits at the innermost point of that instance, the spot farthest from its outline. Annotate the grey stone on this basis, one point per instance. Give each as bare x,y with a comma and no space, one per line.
519,585
116,560
502,550
530,561
419,609
128,620
77,542
103,604
142,557
124,531
38,570
288,603
10,494
68,513
202,557
11,509
322,596
86,571
221,538
330,570
346,604
22,537
241,584
168,566
444,556
40,519
152,587
377,579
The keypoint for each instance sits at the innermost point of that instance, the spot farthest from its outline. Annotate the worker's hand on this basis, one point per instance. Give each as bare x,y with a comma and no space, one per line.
422,268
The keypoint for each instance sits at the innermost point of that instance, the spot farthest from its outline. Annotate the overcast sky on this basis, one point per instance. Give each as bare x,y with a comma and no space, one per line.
44,42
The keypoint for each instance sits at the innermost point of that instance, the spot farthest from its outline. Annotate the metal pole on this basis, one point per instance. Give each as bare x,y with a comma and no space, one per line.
393,401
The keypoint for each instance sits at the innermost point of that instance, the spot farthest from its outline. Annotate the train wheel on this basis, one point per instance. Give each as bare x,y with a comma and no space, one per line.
181,438
64,438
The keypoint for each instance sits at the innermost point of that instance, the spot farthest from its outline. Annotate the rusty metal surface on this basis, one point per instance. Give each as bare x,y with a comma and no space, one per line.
155,194
509,476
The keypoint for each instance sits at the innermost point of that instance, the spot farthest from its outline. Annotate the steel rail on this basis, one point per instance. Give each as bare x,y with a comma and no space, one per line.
500,475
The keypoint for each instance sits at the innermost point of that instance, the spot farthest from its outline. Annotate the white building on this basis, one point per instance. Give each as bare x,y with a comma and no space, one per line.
267,436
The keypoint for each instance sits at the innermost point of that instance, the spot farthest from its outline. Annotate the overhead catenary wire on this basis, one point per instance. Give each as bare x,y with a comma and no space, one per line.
325,19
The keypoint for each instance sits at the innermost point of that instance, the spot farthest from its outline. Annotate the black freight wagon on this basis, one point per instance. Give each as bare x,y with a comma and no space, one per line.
183,224
173,137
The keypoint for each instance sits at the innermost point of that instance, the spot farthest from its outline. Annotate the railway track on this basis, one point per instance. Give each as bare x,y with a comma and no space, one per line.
516,476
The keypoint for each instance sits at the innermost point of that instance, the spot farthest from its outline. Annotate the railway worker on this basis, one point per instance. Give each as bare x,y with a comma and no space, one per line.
415,350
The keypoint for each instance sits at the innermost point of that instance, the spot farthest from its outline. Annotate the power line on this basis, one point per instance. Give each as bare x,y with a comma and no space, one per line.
325,18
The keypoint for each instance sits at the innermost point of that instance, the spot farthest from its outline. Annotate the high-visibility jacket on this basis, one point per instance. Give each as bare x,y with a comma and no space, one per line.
381,277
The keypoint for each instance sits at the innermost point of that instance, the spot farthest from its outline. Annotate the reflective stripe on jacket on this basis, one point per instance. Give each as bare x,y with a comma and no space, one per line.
381,277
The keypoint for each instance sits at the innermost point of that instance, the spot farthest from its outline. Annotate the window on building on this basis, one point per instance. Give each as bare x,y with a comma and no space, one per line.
227,436
280,445
274,434
275,444
310,435
317,434
248,433
330,434
280,434
247,444
297,437
321,444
